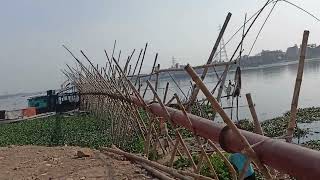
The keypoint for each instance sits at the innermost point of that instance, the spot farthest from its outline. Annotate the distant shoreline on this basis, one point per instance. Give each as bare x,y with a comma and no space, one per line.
279,64
182,74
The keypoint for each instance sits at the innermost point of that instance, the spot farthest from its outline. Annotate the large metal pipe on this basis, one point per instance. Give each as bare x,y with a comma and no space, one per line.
300,162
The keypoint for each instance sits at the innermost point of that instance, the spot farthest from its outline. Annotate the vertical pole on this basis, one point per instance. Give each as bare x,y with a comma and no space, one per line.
295,98
144,53
165,93
151,73
157,81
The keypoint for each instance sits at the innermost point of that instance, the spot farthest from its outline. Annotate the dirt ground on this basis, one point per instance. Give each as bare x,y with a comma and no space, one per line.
35,162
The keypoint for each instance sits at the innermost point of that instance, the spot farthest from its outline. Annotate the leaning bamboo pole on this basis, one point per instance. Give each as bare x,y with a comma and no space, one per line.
224,158
157,82
176,173
203,152
295,98
256,123
156,173
136,65
144,53
128,61
216,106
165,93
151,73
145,106
117,112
195,91
168,119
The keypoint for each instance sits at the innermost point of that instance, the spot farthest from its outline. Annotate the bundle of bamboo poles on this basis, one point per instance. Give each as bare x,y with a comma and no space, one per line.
107,93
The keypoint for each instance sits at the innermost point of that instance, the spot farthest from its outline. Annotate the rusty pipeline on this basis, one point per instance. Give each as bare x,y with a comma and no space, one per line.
300,162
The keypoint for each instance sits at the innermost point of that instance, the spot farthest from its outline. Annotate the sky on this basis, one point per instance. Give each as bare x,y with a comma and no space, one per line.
33,31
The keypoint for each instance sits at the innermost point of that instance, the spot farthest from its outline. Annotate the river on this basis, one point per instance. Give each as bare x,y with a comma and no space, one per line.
271,88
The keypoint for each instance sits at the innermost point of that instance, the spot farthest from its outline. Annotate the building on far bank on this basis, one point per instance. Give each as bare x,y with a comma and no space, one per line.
292,52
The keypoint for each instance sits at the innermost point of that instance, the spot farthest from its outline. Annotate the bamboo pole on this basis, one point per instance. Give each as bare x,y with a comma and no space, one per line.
157,82
176,173
174,81
128,61
114,47
256,123
140,99
216,106
136,65
99,75
173,154
295,98
119,56
144,53
210,59
168,119
225,160
223,80
129,71
150,76
156,173
199,165
203,152
165,93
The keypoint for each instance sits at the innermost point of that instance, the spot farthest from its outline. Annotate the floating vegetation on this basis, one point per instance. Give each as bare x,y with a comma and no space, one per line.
306,115
79,130
313,144
273,127
277,126
245,124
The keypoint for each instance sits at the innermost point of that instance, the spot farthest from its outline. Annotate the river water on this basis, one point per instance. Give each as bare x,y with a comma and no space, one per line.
271,88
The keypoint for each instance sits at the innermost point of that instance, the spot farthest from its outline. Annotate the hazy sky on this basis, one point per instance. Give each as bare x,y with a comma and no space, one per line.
32,32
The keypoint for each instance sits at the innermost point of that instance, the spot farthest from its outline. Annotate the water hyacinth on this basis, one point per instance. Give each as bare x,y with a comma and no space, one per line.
273,127
78,130
306,115
313,144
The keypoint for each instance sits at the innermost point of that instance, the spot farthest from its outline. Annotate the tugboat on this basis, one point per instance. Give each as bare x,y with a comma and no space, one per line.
66,99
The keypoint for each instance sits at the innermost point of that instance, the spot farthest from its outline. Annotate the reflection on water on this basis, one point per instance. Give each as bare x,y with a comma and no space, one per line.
271,88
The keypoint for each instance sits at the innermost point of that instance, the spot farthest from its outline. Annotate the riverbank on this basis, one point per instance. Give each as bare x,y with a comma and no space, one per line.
88,131
60,131
39,162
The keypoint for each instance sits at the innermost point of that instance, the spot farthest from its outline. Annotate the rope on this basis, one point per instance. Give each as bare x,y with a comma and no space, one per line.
301,9
238,30
262,27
